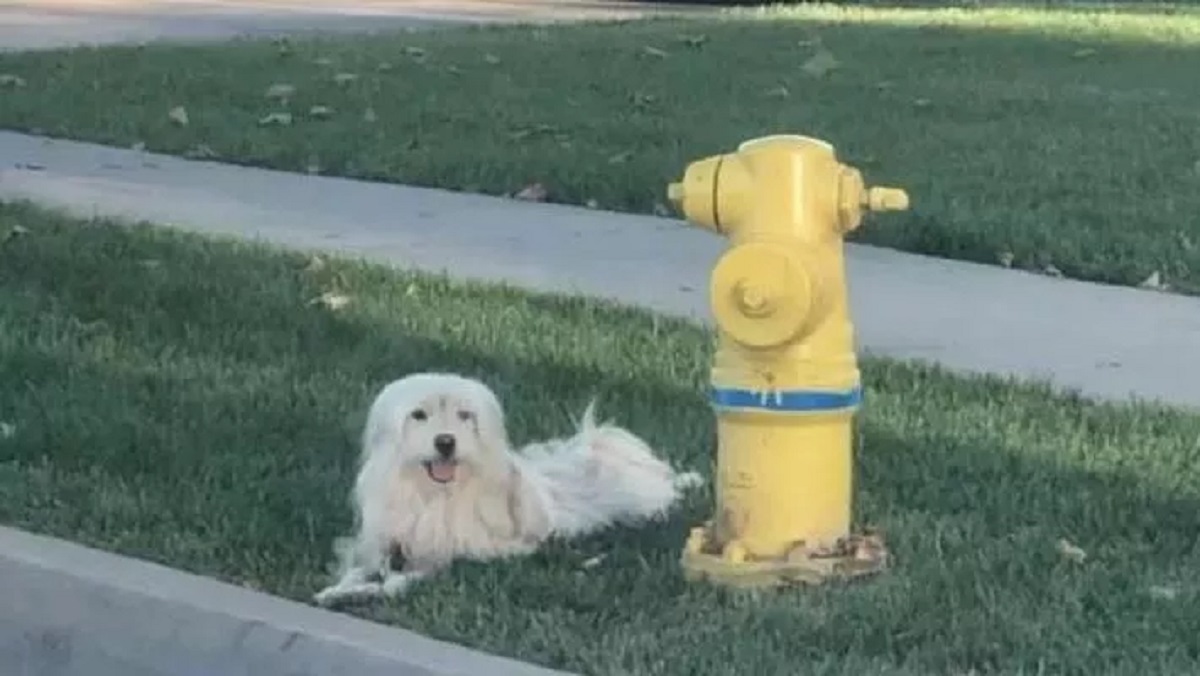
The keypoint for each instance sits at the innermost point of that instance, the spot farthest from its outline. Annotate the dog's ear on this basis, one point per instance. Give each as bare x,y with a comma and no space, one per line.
490,424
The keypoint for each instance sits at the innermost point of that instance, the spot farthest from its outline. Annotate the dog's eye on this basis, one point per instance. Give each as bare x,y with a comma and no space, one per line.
419,414
465,415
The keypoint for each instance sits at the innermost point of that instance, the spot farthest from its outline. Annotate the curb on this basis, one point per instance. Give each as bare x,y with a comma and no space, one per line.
68,610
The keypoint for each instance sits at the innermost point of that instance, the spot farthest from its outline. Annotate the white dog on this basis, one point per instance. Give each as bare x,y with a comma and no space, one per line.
438,482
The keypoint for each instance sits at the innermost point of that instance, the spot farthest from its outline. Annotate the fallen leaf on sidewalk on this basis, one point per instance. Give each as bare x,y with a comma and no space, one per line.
178,115
1070,551
820,64
280,91
275,120
1052,271
11,81
535,192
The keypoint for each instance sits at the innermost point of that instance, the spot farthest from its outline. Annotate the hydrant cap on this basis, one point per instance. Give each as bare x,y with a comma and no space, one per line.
887,199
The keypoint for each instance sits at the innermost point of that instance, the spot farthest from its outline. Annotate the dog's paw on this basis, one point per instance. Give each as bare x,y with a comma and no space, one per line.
343,593
685,481
396,584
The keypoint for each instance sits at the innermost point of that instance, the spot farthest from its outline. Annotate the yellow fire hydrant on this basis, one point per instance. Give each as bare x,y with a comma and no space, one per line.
785,379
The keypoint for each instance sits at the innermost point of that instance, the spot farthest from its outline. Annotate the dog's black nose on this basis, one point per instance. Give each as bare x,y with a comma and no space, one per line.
444,443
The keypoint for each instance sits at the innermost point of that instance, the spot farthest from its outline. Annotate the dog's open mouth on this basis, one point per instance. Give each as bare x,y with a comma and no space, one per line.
441,471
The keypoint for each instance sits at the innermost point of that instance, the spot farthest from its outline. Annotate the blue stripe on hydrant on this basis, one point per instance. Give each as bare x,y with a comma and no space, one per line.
787,401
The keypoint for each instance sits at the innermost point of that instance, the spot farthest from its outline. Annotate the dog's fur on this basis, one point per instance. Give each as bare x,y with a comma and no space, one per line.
481,500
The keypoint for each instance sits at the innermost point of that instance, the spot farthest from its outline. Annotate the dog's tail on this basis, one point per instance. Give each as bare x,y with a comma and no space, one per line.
606,473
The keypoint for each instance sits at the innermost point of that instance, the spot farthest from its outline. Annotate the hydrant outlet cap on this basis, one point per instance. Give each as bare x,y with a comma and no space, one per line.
887,199
675,192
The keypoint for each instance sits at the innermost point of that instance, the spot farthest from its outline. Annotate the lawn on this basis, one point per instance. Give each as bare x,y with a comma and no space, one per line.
1057,140
187,401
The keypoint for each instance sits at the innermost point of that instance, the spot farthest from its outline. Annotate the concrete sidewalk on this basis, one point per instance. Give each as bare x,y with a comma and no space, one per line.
67,610
44,24
1109,342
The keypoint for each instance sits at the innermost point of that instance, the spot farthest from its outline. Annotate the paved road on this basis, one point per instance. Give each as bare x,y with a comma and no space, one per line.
41,24
1106,341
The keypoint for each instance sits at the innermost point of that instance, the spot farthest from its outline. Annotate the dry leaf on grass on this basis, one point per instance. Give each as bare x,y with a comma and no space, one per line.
369,116
1154,282
1164,593
621,157
178,115
1006,258
415,53
9,80
275,120
7,430
1083,53
315,264
323,61
693,41
320,112
593,562
820,64
1070,551
922,103
534,192
200,151
492,59
331,300
15,232
280,91
344,78
385,67
654,52
780,92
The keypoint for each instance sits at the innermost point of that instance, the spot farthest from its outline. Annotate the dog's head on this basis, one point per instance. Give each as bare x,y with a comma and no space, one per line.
443,427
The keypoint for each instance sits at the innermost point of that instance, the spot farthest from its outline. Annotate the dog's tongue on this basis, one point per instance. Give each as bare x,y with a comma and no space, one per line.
442,470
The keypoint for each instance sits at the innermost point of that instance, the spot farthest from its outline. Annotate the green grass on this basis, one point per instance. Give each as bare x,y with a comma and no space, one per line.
180,399
1052,139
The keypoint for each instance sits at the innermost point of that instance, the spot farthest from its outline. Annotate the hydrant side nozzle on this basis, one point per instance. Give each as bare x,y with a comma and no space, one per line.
886,199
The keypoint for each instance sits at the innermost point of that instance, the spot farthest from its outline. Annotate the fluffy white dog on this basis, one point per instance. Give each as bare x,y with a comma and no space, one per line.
438,481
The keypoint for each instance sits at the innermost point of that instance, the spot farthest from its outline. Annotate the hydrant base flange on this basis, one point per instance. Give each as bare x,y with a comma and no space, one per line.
853,557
